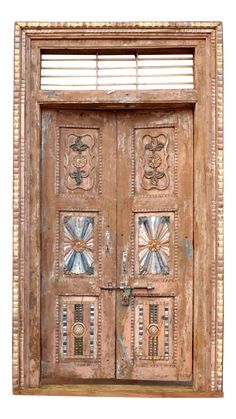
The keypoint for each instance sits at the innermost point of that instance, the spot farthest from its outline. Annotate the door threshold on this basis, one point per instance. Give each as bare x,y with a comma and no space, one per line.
113,381
119,390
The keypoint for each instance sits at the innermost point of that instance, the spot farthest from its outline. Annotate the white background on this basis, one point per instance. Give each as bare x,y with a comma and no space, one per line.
120,10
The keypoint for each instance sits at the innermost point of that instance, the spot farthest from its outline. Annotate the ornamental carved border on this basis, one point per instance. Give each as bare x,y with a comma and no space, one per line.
25,32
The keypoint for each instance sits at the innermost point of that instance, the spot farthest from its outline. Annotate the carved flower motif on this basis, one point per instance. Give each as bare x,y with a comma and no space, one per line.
80,162
154,161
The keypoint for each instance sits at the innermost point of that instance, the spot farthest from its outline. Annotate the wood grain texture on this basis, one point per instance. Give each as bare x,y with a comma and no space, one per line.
100,390
206,39
202,224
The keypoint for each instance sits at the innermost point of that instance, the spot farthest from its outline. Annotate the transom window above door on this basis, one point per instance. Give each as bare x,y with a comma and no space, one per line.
137,71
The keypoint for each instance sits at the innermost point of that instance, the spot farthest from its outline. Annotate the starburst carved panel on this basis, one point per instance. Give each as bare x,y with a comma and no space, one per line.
155,245
78,255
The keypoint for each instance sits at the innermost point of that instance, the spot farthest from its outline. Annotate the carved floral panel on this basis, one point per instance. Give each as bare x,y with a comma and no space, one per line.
78,244
78,160
154,161
78,324
154,328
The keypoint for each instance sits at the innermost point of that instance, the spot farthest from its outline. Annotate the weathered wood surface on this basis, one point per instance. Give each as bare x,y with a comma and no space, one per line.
101,390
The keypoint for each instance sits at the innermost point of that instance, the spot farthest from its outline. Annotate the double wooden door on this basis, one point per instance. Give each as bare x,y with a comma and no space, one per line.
117,245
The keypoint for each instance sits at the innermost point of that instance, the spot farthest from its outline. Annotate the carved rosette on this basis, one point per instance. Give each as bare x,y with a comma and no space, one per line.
154,162
78,329
79,162
153,330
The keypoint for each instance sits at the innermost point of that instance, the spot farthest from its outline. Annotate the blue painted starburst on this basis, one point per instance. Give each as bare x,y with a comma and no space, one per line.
78,245
153,245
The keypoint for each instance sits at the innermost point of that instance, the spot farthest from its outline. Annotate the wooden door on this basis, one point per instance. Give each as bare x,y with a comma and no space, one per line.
117,233
78,244
154,239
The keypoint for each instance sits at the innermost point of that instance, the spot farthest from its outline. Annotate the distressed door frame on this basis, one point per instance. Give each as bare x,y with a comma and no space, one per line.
205,40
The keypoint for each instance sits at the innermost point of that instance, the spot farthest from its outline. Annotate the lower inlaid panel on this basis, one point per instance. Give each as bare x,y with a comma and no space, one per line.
154,329
78,323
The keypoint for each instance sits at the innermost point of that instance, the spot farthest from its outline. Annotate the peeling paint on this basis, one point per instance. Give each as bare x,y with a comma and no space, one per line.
52,94
126,358
188,249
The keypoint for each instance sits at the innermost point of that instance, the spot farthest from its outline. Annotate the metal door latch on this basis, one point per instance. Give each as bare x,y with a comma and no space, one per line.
126,291
125,296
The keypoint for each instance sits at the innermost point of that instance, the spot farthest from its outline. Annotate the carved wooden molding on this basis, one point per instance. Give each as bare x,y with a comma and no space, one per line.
200,35
219,201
